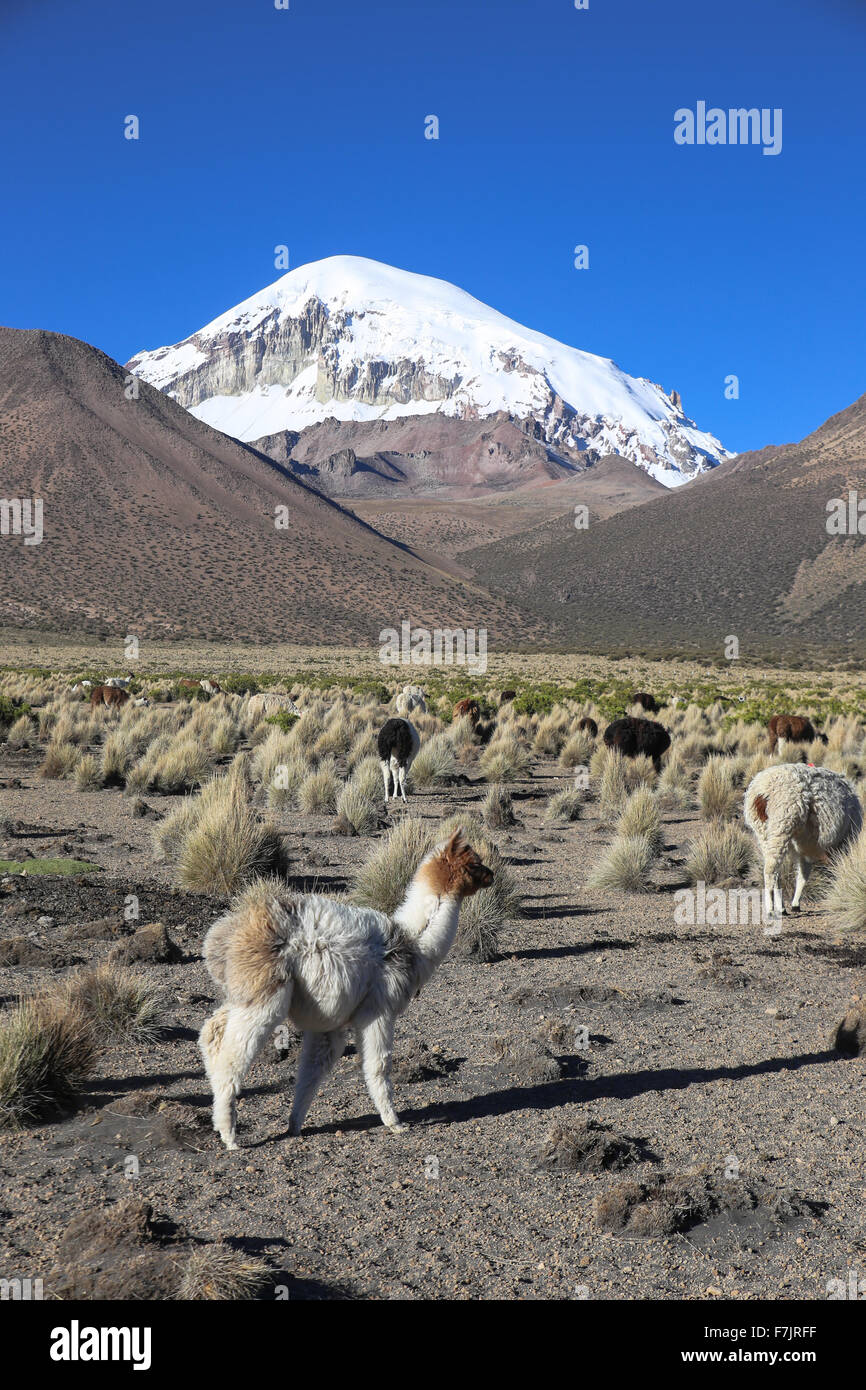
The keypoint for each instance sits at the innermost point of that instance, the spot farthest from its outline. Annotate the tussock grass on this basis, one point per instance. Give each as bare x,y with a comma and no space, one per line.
435,762
624,866
319,791
505,759
22,732
497,809
224,736
718,798
565,805
47,1051
845,892
613,789
59,761
88,777
358,808
217,1272
577,751
486,913
382,881
216,841
119,1004
640,816
721,853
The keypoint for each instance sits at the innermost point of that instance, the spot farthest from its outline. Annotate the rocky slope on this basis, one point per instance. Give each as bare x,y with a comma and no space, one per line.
156,524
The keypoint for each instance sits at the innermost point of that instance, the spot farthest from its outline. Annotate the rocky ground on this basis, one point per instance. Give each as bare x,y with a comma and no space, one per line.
724,1150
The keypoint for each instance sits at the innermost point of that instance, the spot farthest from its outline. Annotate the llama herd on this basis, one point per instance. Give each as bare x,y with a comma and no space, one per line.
329,966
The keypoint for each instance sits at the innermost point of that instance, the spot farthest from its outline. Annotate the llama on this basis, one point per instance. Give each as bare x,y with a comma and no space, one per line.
411,698
587,725
398,745
648,703
631,737
811,810
792,728
467,709
267,703
211,687
327,966
108,695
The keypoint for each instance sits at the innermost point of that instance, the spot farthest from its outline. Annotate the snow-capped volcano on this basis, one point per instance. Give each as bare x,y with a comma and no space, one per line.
352,339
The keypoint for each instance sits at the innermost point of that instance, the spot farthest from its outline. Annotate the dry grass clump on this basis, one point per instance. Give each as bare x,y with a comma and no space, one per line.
216,841
22,732
624,866
47,1051
119,1004
382,881
60,759
363,746
845,893
718,798
577,751
224,736
171,765
505,759
358,809
483,916
720,854
317,794
497,809
551,733
674,787
640,816
88,777
565,805
613,788
217,1272
435,762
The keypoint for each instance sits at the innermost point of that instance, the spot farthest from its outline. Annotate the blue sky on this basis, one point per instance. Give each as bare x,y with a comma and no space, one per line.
306,127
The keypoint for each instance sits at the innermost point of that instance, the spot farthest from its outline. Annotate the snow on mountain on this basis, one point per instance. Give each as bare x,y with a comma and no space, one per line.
353,339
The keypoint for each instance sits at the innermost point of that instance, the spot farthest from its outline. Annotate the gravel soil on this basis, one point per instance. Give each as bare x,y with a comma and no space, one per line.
690,1052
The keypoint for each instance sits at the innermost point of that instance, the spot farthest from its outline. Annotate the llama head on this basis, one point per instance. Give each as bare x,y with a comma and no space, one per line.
455,870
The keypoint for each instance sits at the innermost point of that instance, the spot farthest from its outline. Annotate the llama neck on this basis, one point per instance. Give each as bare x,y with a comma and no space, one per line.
429,920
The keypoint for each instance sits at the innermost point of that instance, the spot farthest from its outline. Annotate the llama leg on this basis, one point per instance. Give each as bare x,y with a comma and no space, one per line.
376,1044
386,778
773,906
320,1053
804,869
229,1056
402,776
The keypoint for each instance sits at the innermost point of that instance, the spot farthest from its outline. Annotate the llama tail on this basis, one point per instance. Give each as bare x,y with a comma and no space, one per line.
247,951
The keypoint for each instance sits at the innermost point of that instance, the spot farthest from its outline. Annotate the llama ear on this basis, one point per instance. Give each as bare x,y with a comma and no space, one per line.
456,840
